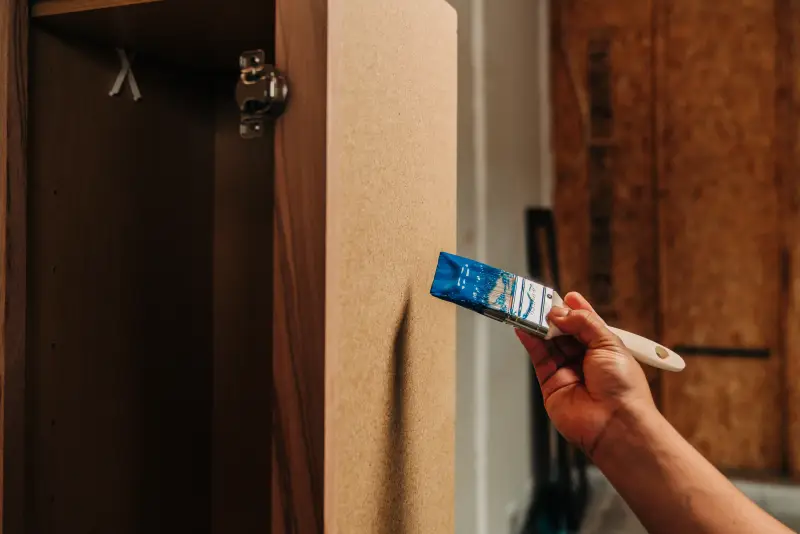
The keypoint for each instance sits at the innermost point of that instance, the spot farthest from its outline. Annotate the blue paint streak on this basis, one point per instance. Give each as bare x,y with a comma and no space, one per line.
469,283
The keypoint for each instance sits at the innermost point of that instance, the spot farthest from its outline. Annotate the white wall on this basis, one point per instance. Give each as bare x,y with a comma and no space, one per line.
503,169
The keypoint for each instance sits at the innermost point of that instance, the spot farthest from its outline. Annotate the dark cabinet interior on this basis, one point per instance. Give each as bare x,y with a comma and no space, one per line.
149,272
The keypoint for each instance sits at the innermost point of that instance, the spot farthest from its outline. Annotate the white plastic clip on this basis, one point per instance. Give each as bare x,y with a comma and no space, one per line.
126,72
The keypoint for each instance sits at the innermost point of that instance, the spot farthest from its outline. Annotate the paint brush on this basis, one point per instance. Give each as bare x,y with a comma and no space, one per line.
523,303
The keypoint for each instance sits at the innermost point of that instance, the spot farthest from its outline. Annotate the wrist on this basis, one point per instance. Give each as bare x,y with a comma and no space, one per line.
632,427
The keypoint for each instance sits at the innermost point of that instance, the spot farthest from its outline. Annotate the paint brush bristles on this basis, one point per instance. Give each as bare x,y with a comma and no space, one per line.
493,292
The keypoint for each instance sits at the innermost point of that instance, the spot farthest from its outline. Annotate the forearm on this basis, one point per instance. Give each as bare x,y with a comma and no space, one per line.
669,485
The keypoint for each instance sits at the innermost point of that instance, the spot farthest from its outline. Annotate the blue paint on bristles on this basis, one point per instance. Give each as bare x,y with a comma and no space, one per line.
472,284
493,292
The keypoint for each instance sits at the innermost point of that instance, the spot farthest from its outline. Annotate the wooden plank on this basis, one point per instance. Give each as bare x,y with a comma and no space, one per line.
605,155
46,8
788,174
13,251
243,225
299,270
719,241
390,347
120,326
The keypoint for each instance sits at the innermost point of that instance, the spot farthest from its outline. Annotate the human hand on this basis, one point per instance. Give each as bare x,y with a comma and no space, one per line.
588,377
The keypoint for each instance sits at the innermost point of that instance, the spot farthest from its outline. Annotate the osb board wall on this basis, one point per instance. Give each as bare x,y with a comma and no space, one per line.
603,144
719,241
788,179
390,347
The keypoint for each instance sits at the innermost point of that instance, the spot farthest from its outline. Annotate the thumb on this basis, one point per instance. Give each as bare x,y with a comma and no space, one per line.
585,325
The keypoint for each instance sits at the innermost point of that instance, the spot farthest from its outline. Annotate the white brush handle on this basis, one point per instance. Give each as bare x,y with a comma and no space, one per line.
645,351
649,352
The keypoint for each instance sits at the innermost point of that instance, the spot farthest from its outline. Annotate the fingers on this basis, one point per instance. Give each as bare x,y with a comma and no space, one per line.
576,301
534,345
569,346
551,368
582,322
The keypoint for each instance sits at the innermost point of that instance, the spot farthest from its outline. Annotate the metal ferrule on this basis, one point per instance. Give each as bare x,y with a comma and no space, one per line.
530,304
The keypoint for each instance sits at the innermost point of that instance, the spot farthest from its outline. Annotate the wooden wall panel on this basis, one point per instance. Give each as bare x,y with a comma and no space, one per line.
719,244
605,195
120,297
243,264
299,270
788,174
13,240
390,347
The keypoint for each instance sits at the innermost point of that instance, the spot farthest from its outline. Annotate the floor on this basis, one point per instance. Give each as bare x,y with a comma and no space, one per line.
608,513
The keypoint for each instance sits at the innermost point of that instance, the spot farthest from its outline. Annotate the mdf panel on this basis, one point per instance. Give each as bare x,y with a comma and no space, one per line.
604,151
13,228
719,240
120,296
391,208
788,174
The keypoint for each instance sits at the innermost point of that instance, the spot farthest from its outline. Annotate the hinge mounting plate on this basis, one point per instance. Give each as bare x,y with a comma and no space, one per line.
262,93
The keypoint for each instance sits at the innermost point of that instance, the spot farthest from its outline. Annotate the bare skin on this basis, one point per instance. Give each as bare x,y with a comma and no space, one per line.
598,398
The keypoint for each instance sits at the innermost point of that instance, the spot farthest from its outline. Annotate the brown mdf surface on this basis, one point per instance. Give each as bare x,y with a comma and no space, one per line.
120,297
788,173
46,8
390,346
205,35
299,270
243,199
719,240
13,227
605,190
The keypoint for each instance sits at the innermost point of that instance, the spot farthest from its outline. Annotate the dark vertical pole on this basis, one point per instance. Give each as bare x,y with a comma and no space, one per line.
558,502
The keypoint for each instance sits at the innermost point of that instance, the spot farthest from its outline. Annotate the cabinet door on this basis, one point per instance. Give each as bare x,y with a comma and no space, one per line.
363,357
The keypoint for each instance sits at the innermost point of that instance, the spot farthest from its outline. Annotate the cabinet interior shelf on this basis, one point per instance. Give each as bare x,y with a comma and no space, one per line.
48,8
202,35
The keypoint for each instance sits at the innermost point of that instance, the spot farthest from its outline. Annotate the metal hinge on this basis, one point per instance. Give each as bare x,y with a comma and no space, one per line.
261,93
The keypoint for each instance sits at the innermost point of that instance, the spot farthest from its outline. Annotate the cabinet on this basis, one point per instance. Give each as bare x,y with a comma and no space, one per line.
209,333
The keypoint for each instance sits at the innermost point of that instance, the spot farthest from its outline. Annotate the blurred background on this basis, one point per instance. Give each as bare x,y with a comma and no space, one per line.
646,154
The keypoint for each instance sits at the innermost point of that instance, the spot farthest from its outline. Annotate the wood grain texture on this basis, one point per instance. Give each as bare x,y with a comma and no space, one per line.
390,347
46,8
243,226
787,17
13,251
206,36
120,297
720,240
299,270
624,145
